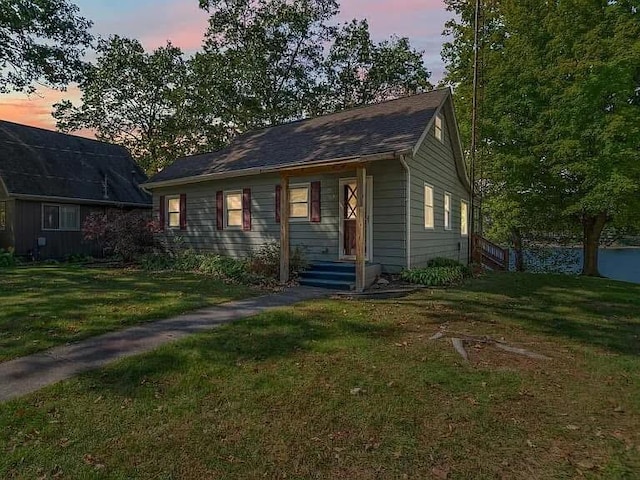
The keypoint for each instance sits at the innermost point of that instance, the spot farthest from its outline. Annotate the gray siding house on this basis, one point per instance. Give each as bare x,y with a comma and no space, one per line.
50,182
404,155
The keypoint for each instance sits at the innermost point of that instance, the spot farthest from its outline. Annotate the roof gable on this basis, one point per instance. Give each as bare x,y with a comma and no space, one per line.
43,163
387,127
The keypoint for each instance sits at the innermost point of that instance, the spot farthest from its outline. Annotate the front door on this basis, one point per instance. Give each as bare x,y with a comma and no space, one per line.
348,216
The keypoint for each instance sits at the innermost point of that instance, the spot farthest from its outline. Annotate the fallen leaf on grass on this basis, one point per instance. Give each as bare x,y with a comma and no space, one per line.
440,472
93,461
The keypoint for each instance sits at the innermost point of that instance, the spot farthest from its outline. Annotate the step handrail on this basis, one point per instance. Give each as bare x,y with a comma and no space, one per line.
489,254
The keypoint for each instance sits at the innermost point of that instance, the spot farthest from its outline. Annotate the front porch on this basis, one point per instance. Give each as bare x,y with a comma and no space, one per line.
353,235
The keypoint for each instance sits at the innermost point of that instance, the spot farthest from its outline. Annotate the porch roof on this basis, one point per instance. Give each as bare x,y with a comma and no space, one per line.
374,131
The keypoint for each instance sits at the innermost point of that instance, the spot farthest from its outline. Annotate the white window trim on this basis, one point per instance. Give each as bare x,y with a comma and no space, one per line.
168,212
59,229
444,209
433,210
3,208
308,217
438,130
464,202
226,216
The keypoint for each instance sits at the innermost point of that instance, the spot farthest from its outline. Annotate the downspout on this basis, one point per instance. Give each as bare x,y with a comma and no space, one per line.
403,162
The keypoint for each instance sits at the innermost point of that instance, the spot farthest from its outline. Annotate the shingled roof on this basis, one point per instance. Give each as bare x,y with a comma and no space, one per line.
42,163
387,127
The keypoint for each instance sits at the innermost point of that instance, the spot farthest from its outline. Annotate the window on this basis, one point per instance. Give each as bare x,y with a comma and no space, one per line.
438,128
428,206
173,212
447,211
61,217
299,201
3,215
464,218
233,209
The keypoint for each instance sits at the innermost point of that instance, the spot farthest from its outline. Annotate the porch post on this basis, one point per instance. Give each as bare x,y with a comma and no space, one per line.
361,215
284,229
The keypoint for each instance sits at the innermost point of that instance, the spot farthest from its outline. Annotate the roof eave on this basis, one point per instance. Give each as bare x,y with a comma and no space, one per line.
392,154
83,201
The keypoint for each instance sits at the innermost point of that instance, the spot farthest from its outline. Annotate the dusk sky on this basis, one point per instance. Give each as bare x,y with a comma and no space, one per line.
154,22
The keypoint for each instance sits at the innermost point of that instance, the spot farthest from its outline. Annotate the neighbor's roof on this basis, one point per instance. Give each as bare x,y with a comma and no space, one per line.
41,163
391,126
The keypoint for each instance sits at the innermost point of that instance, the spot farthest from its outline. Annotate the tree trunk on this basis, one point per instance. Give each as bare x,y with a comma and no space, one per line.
592,229
516,239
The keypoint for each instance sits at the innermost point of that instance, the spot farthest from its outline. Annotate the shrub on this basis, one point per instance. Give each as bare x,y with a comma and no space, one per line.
265,262
224,268
436,276
126,234
443,262
77,258
7,259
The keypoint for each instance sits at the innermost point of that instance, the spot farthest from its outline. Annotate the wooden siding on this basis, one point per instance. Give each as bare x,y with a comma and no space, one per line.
59,244
434,164
7,238
318,241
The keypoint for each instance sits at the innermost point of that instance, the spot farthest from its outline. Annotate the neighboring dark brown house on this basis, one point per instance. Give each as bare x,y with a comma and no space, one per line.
50,182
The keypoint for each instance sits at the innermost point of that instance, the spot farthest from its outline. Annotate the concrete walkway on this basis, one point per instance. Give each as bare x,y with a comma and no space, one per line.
28,374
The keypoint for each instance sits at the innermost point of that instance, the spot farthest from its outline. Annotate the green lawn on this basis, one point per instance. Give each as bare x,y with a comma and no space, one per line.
275,396
41,307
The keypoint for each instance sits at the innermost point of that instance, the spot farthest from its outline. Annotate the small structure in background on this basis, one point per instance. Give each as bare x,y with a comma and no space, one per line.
50,182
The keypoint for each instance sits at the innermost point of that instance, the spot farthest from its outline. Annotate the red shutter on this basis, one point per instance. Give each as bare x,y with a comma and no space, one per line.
315,202
278,196
161,213
219,211
246,209
183,211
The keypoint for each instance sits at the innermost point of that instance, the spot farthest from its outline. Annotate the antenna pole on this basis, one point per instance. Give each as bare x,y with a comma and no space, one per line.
474,119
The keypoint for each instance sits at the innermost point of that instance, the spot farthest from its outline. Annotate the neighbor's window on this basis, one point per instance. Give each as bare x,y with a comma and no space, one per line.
173,212
464,218
428,206
299,201
438,129
447,211
3,215
61,217
233,209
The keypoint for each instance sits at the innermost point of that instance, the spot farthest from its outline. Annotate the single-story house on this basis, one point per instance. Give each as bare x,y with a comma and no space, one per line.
50,182
382,186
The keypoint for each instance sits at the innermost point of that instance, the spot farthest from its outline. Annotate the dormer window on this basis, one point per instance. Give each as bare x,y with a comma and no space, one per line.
438,128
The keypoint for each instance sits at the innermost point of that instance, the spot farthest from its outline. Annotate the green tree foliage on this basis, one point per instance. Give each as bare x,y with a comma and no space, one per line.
136,99
260,58
41,40
358,71
561,111
269,61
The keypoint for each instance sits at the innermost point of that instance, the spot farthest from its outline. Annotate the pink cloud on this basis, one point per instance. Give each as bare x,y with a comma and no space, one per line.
35,109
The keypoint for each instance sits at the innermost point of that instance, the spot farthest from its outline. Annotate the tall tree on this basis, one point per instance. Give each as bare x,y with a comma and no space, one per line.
41,40
358,71
136,99
561,107
269,61
260,58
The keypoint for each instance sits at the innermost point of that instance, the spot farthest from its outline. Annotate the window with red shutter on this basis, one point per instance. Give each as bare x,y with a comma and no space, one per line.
219,211
278,199
315,202
246,209
183,211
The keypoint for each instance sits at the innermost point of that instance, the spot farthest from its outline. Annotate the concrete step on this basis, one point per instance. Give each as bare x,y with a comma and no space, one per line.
332,284
333,267
328,275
